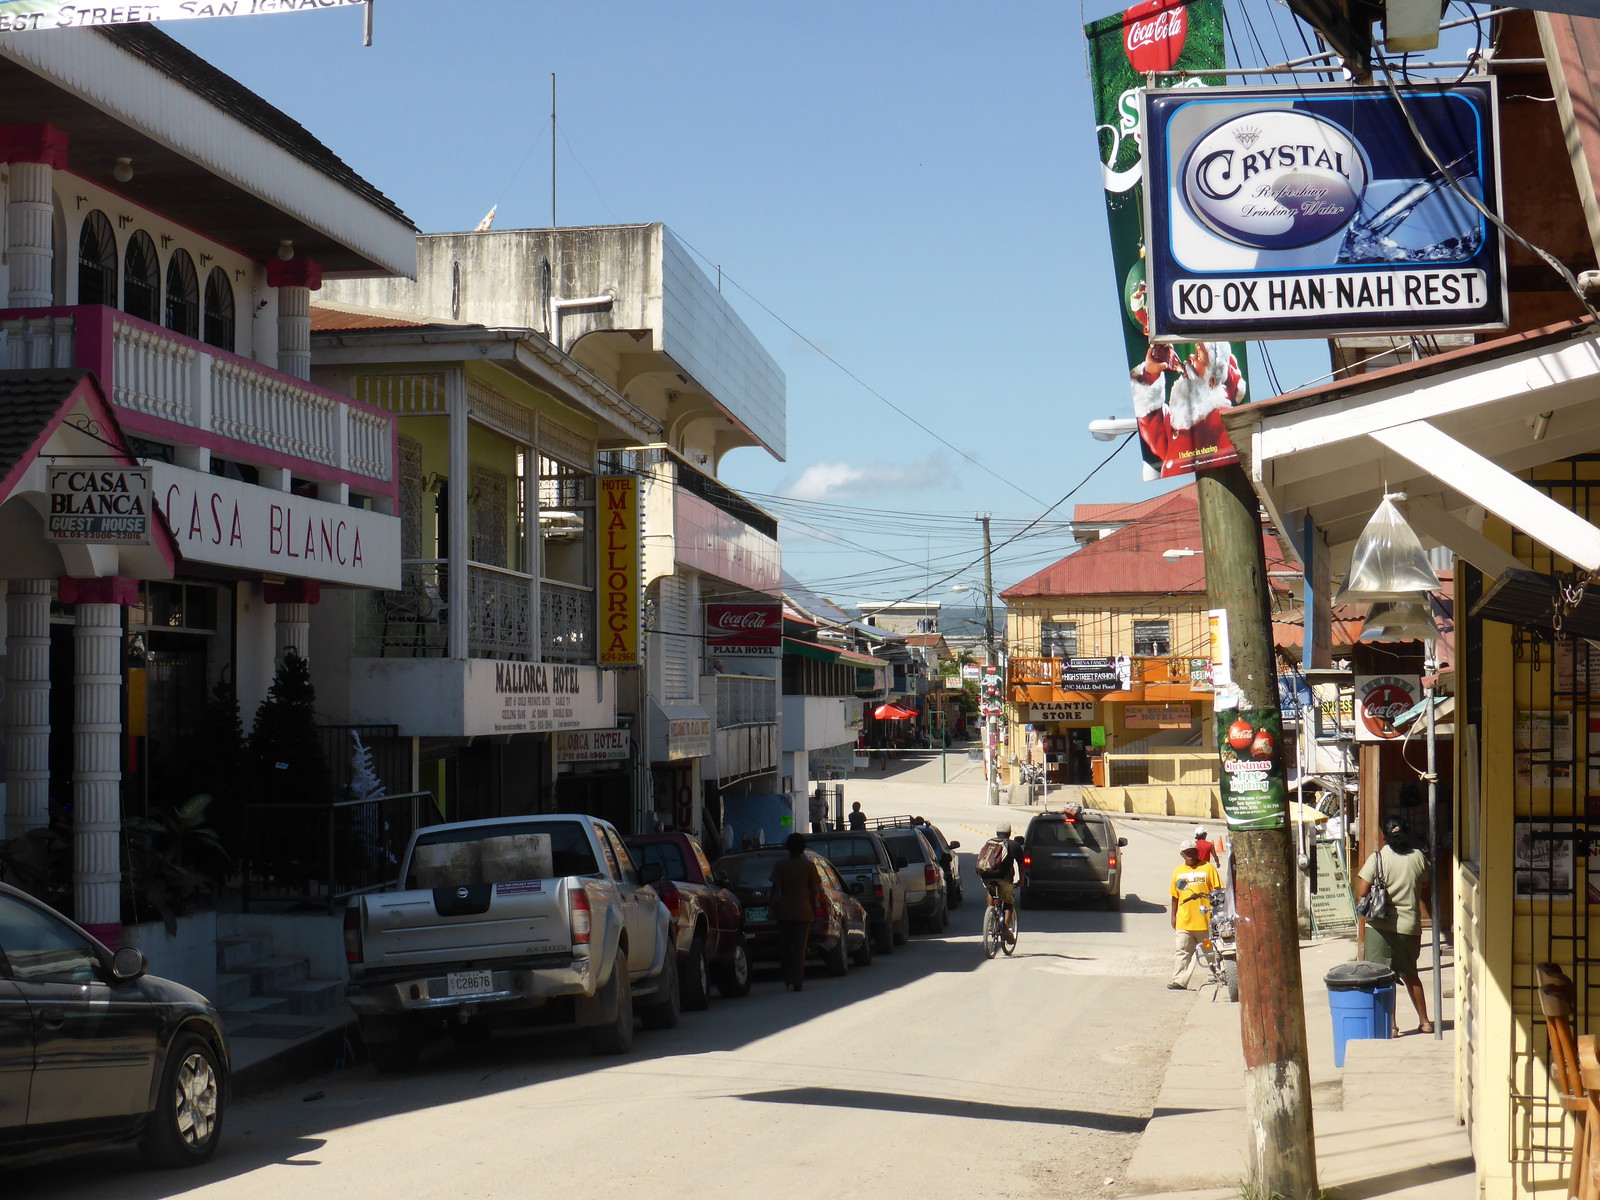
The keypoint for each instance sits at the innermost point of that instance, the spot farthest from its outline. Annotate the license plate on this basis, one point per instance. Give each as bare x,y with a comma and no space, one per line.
469,983
755,914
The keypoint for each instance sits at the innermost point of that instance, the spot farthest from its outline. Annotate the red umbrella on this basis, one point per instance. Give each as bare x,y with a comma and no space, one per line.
892,712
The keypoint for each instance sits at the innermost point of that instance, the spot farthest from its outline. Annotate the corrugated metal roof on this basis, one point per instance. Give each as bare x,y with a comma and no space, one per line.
334,320
1130,560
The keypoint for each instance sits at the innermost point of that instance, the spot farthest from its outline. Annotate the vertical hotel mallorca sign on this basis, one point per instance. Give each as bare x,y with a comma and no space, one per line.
621,570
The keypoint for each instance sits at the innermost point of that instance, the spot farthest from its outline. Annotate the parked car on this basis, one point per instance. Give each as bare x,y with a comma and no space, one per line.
926,900
871,875
513,920
944,850
839,933
707,918
94,1051
1072,854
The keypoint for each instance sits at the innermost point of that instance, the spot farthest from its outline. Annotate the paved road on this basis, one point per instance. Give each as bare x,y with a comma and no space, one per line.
930,1073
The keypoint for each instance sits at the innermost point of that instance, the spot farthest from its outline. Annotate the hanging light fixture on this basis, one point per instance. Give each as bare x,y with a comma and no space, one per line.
1388,562
1400,621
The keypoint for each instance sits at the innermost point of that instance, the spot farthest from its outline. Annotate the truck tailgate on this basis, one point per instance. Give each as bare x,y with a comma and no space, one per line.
436,927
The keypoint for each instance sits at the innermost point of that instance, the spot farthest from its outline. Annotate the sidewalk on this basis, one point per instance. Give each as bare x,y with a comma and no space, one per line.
1385,1123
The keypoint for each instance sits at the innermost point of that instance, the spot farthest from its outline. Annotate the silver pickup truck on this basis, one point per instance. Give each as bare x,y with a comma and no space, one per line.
515,920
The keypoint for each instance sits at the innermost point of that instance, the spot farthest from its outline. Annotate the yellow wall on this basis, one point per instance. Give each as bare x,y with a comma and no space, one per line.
1105,623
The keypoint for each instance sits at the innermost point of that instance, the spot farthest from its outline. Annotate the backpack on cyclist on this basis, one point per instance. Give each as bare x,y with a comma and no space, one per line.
992,857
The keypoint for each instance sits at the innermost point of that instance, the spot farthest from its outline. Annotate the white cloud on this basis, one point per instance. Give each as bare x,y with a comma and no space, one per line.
839,481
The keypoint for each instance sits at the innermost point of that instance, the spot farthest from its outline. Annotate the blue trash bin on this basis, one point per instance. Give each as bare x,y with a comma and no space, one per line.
1361,999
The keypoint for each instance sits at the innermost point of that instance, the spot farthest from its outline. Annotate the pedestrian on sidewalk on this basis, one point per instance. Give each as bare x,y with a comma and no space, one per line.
796,896
1396,940
1205,848
858,819
1192,884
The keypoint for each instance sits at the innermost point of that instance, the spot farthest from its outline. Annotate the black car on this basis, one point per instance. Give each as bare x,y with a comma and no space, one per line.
838,934
93,1050
1074,854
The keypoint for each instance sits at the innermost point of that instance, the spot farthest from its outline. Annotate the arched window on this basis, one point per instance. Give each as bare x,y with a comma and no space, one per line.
141,279
97,261
219,310
183,295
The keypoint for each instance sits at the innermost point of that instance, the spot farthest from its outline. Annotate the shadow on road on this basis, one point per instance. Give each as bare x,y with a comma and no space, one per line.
934,1106
277,1129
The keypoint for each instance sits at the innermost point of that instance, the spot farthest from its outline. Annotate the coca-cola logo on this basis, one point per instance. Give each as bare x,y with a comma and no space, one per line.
1381,706
754,619
1153,34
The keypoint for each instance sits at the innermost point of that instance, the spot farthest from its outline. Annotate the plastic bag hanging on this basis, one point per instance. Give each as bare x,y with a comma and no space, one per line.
1400,621
1388,562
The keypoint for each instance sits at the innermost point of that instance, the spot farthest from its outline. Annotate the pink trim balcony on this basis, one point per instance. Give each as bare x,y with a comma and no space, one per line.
171,388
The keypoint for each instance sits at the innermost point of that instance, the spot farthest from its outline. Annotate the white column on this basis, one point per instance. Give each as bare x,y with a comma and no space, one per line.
27,705
294,631
97,765
30,217
294,331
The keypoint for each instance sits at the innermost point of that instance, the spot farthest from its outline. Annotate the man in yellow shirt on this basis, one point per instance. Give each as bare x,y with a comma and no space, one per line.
1190,909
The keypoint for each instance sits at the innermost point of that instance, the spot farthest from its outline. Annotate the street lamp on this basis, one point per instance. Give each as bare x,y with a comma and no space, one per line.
1111,428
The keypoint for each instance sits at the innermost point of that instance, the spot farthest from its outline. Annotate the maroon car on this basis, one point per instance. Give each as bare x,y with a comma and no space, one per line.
839,934
707,919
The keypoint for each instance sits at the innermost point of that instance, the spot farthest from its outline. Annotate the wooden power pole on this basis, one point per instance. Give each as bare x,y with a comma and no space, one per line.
1281,1154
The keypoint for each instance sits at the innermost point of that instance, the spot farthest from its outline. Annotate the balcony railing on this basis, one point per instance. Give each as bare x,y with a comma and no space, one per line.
566,622
162,376
499,609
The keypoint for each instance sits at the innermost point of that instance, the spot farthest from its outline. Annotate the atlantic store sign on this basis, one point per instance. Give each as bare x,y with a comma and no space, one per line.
227,523
1308,211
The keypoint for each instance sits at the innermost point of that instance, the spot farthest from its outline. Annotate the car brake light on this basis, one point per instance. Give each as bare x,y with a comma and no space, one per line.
669,896
580,917
1027,860
352,934
1112,862
877,888
930,876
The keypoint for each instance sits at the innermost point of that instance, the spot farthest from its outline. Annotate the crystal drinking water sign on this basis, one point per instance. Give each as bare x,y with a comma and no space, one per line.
1301,212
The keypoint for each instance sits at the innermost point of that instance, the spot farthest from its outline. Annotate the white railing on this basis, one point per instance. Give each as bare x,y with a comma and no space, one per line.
162,374
566,622
153,373
274,413
498,613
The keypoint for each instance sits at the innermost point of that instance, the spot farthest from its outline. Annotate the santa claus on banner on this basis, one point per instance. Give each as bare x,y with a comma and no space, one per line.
1182,426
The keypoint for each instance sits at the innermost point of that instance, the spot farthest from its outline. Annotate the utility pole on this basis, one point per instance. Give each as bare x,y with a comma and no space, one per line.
991,722
1281,1150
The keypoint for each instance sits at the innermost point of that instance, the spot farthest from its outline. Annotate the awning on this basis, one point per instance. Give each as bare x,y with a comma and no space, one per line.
851,659
679,731
810,650
892,712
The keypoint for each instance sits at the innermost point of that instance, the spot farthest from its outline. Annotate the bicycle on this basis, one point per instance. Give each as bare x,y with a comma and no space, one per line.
999,932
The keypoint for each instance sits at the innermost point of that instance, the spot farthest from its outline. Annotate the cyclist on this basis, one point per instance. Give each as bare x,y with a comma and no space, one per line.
1000,869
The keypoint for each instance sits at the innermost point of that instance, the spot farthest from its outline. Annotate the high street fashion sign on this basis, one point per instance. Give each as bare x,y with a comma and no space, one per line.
1315,210
25,15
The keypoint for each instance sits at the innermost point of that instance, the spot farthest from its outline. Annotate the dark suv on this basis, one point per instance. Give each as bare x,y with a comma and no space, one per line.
871,874
1070,855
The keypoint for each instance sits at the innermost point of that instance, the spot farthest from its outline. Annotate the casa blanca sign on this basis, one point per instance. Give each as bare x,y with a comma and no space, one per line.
99,505
227,523
1308,211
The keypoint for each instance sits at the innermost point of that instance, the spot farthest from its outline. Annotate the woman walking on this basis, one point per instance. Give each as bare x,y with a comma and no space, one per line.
1395,941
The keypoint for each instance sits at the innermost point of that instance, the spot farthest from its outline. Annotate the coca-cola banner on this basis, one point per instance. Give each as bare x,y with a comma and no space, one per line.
747,629
1177,392
1314,210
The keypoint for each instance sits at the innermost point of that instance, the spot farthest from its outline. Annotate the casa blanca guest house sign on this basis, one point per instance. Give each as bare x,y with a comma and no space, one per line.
1302,212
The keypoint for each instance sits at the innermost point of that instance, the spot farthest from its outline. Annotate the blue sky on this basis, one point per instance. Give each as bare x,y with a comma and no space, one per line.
904,200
